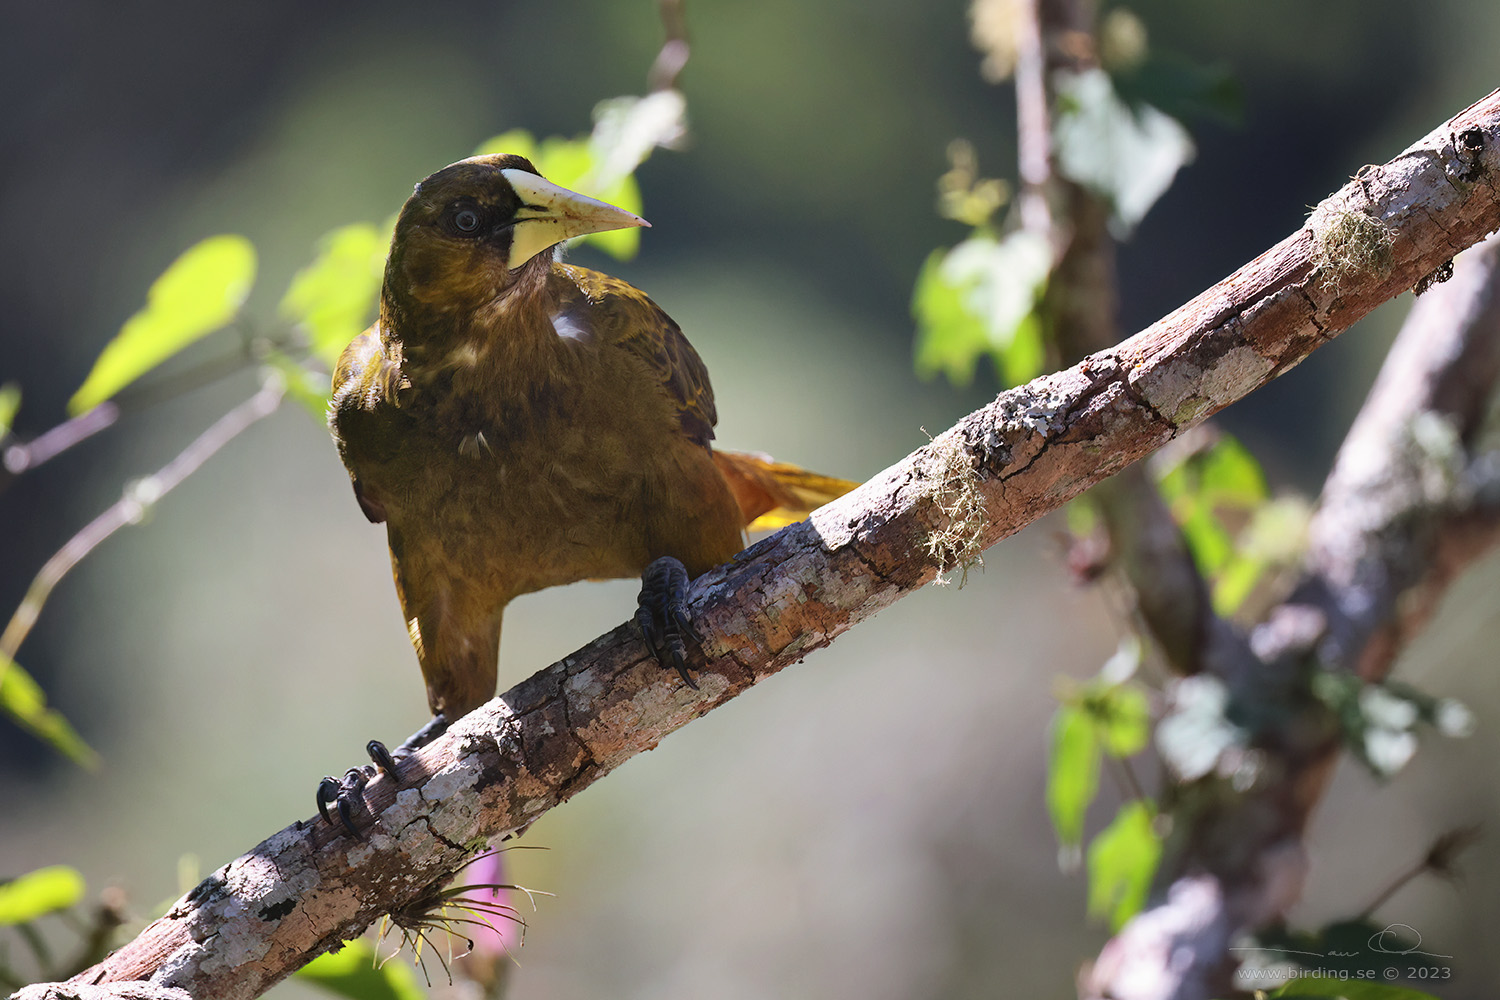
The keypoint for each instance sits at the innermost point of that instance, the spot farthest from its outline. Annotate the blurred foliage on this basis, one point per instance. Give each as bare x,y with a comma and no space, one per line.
22,699
979,298
38,893
1121,862
333,299
1198,731
1125,155
1380,722
10,402
356,971
199,293
984,295
1107,715
1235,531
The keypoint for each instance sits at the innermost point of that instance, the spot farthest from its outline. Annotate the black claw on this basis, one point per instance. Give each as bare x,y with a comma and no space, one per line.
328,791
382,757
341,793
662,616
346,819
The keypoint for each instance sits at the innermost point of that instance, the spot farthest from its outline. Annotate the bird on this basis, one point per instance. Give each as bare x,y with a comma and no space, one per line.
518,422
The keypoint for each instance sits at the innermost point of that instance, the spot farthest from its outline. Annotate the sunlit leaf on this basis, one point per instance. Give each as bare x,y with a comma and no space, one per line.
22,699
307,387
1122,860
10,402
1126,156
200,292
1123,717
517,142
1209,543
355,973
1229,474
1072,772
981,297
950,338
334,298
38,893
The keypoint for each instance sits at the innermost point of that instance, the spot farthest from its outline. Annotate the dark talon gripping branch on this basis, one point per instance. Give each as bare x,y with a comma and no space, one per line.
663,618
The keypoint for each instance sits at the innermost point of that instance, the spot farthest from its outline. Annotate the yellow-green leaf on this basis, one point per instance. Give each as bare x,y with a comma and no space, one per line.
307,387
200,292
1123,716
10,402
355,972
38,893
22,699
333,299
1072,772
517,141
1122,862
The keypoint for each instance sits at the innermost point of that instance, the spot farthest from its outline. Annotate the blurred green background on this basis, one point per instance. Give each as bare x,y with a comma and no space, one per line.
869,824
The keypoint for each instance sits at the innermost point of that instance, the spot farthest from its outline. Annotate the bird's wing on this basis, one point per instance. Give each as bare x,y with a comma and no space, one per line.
617,313
363,412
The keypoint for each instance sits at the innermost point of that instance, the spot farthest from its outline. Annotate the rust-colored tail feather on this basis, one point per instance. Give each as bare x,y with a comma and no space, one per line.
774,494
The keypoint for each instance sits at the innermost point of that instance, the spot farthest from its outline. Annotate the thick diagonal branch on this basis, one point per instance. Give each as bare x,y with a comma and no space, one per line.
309,887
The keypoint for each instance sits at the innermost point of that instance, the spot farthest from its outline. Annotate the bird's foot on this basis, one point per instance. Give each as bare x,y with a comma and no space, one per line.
662,616
341,792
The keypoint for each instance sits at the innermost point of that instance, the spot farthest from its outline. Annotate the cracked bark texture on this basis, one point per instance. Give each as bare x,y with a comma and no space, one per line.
309,887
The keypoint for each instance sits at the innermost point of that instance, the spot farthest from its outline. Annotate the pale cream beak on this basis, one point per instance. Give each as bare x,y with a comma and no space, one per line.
550,214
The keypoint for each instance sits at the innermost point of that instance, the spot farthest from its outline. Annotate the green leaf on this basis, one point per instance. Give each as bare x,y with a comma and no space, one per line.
200,292
38,893
517,141
1230,475
1123,717
10,402
1126,156
334,298
353,973
1072,772
981,297
1348,989
950,338
307,387
1206,538
1122,861
22,699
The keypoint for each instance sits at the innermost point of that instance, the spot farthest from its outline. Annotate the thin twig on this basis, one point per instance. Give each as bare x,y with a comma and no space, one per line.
48,445
138,497
674,50
19,458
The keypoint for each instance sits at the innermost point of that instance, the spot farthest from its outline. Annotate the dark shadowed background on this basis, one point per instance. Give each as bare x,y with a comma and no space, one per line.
869,824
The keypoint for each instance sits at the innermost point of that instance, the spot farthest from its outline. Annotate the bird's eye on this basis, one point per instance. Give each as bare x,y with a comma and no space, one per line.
466,220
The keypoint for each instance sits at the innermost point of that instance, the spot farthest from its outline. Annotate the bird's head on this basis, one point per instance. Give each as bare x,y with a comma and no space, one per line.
467,232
